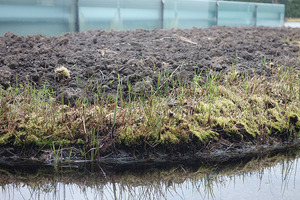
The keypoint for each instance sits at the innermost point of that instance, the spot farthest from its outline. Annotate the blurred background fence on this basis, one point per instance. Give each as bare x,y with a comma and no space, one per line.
55,17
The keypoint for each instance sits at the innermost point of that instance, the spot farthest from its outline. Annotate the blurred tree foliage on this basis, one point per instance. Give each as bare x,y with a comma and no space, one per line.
292,7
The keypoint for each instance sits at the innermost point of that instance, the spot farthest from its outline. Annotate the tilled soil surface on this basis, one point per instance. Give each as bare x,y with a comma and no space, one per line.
95,58
99,59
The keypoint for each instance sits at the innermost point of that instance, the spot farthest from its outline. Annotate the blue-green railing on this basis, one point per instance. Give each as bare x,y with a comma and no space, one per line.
54,17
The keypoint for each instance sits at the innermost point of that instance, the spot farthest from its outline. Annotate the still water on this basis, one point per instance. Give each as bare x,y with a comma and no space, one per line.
276,177
292,24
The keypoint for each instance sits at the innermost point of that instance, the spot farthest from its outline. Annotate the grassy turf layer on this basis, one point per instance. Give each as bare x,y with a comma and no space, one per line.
231,108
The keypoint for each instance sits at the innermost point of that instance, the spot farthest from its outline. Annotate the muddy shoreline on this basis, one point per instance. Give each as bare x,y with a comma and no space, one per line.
125,160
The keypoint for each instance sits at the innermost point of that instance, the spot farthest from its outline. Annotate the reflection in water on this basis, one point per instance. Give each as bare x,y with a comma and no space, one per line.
269,178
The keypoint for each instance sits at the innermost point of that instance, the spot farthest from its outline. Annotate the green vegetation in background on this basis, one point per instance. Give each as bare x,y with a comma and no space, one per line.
292,7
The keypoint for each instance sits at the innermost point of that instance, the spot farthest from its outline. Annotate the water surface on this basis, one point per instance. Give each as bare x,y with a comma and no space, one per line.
276,177
292,24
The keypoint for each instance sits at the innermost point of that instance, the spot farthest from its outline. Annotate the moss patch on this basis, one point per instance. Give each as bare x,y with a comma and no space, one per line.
232,107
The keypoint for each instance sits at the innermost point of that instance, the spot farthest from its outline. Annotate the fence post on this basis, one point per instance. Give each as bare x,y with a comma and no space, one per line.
161,14
255,15
76,16
217,12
